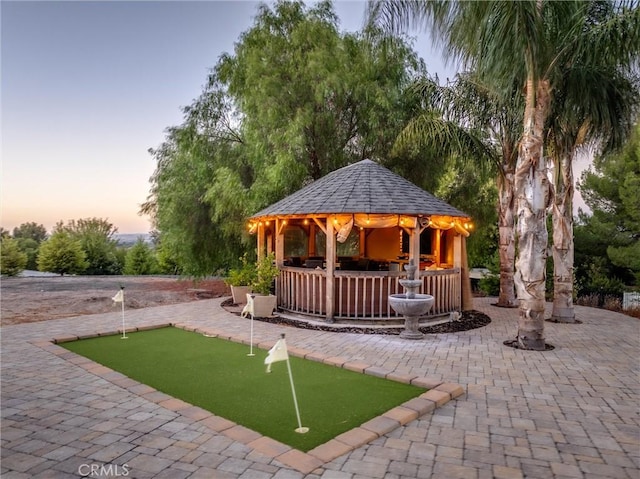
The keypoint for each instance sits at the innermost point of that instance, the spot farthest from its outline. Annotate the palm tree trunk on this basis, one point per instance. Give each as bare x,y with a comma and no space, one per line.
532,197
506,238
562,217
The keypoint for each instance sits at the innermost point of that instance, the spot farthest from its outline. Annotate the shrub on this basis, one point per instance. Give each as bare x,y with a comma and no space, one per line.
490,284
12,260
612,303
140,259
62,254
266,272
245,275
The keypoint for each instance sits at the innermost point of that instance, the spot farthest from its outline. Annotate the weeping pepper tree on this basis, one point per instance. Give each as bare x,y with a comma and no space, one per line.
295,100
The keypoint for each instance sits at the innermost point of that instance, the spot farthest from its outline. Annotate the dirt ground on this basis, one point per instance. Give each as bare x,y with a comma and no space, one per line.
31,299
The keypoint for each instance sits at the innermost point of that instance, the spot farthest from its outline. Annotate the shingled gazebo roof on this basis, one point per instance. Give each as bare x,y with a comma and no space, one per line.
363,187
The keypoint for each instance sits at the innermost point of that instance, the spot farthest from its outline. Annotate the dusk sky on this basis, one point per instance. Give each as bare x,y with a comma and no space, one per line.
89,87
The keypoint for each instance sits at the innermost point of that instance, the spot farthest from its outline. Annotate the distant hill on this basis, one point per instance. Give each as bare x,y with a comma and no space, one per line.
129,239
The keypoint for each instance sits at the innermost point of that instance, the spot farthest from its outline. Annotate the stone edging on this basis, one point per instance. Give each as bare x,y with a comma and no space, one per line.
438,394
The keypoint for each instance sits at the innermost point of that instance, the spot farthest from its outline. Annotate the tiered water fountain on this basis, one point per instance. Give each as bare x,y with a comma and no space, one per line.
410,304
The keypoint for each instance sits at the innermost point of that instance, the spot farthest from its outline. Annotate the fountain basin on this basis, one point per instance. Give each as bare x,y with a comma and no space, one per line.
415,306
411,284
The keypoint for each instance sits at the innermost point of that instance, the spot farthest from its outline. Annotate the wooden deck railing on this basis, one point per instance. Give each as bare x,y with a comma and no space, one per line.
362,294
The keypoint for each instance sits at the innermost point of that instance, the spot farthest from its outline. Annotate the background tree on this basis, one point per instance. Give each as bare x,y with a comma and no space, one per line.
62,254
31,230
30,247
191,234
29,236
612,191
12,260
96,238
140,259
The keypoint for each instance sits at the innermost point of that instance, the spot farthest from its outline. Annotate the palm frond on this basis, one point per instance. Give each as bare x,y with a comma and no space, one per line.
445,139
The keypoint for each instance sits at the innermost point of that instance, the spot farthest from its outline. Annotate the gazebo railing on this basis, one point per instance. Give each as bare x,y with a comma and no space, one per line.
302,290
362,294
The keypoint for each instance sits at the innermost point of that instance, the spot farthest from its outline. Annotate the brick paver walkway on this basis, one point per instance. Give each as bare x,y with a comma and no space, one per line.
572,412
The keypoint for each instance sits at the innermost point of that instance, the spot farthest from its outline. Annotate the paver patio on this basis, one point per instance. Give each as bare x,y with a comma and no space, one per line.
568,413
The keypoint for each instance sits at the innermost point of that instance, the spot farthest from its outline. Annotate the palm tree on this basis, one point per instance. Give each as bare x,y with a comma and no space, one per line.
595,108
529,43
468,119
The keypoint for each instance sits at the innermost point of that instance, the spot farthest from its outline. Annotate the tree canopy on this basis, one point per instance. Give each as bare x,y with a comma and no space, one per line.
62,254
612,191
96,238
296,100
31,230
12,260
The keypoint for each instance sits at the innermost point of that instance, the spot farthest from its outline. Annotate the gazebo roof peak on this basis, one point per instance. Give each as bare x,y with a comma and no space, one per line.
363,187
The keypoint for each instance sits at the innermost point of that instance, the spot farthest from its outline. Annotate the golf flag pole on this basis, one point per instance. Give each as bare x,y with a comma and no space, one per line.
300,429
251,331
279,353
119,298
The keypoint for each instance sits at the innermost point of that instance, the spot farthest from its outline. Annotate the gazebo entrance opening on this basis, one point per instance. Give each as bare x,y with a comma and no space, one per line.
364,249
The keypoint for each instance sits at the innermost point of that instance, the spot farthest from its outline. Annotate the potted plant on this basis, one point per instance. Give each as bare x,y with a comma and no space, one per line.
240,279
265,272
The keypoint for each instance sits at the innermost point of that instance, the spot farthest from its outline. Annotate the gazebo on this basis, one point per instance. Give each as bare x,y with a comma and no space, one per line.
342,241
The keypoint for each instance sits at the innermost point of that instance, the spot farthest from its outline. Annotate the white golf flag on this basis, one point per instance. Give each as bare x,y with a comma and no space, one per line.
119,297
277,353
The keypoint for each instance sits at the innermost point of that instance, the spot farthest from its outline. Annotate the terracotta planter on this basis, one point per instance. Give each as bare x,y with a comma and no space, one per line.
239,294
263,306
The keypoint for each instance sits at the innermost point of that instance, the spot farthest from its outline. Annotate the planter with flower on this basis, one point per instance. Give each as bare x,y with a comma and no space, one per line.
241,280
266,271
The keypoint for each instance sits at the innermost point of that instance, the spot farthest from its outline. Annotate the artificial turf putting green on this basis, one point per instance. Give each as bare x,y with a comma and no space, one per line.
218,376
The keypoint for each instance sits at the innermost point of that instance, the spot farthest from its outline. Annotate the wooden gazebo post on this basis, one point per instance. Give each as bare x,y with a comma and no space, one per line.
414,244
331,267
280,226
260,250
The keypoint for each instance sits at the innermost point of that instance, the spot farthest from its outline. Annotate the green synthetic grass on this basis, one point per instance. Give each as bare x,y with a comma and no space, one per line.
218,376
